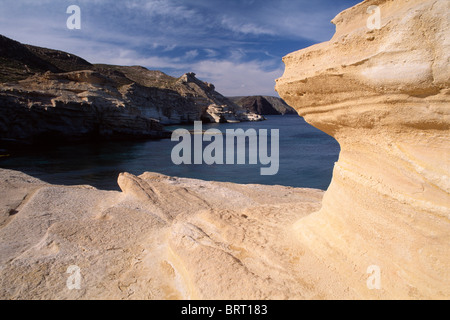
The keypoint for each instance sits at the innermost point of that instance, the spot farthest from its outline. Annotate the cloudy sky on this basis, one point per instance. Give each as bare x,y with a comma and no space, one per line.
235,44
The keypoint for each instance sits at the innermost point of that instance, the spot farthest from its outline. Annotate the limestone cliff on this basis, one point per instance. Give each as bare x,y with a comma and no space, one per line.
384,94
50,94
70,106
264,105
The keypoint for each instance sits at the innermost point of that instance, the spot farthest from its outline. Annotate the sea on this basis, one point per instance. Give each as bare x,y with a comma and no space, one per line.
306,159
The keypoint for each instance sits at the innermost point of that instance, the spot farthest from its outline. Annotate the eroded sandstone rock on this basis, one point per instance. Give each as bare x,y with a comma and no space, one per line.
385,96
172,238
160,238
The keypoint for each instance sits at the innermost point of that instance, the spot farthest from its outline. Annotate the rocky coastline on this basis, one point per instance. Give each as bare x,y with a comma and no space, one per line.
264,105
383,94
48,96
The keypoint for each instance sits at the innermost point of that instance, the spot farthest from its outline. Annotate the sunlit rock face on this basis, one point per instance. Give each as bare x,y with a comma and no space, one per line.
384,94
380,231
49,95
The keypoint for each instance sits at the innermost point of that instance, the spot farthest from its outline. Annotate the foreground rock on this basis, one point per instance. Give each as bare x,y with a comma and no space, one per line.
384,95
161,238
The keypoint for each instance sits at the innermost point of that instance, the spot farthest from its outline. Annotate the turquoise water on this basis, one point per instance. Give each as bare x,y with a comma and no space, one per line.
306,159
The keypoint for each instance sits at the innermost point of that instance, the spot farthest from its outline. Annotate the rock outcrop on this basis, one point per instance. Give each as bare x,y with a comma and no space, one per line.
70,106
49,94
380,231
19,61
176,100
384,94
160,238
214,107
264,105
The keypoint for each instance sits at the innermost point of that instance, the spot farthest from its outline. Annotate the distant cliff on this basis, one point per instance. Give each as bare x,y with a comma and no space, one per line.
264,105
50,94
19,61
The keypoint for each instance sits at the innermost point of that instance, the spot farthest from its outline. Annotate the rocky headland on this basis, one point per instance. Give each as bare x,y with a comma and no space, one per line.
264,105
383,94
53,95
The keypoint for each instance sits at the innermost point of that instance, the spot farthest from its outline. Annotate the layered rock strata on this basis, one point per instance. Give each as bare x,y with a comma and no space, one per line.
160,238
49,94
384,94
71,106
264,105
380,231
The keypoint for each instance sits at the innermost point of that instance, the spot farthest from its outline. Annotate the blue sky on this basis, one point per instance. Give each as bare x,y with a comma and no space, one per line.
236,45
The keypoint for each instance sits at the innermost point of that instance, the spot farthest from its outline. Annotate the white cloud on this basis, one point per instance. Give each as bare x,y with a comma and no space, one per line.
190,54
210,53
170,47
164,8
237,54
239,78
245,28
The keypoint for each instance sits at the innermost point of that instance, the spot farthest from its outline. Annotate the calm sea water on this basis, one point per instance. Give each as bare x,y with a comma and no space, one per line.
307,157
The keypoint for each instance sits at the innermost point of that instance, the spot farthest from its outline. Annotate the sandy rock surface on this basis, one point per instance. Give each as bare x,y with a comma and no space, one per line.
381,231
161,238
384,94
